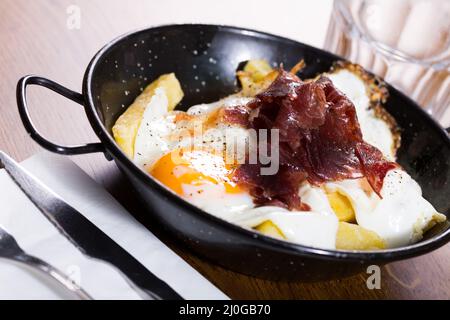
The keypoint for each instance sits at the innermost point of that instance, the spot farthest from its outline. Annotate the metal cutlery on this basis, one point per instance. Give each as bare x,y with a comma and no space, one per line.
9,249
85,236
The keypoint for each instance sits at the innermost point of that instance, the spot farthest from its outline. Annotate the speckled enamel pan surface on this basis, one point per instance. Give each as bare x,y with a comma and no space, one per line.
204,59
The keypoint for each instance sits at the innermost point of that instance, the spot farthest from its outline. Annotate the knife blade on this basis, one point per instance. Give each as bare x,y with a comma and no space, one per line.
85,236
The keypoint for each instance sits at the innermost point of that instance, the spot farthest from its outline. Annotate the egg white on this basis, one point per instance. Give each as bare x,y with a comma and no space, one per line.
215,200
156,125
229,101
402,215
310,228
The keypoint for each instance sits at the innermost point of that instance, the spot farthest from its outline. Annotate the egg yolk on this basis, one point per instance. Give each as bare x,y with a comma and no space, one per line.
193,167
341,206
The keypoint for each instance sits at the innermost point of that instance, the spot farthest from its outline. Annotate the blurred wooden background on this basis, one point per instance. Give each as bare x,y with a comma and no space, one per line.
35,39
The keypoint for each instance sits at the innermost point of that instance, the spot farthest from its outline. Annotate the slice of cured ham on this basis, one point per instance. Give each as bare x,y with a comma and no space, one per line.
320,141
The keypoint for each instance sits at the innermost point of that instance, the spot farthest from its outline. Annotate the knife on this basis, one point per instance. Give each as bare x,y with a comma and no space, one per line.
84,235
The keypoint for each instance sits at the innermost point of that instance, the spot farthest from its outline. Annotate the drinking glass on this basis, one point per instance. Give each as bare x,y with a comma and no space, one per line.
406,42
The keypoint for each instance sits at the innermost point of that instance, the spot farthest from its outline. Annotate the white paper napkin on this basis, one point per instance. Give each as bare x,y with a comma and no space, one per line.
36,235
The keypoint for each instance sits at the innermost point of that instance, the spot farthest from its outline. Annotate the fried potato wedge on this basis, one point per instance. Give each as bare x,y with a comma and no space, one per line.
256,76
354,237
341,206
268,228
257,69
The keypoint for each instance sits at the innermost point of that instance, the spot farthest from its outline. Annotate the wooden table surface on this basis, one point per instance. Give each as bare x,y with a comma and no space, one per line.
34,39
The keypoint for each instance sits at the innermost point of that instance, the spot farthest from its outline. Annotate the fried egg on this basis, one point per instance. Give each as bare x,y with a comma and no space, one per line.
203,178
198,171
162,131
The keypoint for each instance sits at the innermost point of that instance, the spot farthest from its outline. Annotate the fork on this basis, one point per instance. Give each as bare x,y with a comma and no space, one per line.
10,249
